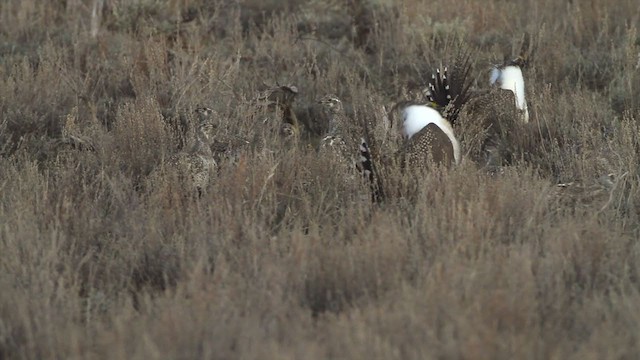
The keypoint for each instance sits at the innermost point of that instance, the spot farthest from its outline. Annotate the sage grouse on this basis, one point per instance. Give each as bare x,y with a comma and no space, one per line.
500,116
196,165
508,76
281,98
591,195
339,144
337,141
428,127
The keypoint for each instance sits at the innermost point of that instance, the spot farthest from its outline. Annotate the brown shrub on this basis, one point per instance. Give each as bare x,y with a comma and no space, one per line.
105,253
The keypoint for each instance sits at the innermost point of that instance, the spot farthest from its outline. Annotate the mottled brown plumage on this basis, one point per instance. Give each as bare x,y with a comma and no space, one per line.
339,141
427,126
280,99
196,165
339,145
289,133
436,143
488,116
593,194
279,94
228,148
498,119
429,146
333,110
72,136
493,130
509,76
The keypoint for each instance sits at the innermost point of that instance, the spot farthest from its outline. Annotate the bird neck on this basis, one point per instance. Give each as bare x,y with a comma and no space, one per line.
416,117
336,122
334,128
201,143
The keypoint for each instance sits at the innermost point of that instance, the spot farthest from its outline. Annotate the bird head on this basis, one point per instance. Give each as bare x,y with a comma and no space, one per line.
520,61
331,102
204,112
279,96
206,122
288,131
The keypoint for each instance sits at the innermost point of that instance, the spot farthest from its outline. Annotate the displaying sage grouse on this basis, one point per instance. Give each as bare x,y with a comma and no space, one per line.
196,165
499,130
508,76
428,127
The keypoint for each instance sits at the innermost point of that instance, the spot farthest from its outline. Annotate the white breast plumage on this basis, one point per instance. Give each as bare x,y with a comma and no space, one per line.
417,117
510,78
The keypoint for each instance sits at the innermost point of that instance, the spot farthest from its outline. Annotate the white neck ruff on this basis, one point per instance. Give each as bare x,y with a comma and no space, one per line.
510,78
416,117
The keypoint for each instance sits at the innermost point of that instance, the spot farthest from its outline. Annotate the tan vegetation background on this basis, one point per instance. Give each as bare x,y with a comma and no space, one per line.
279,258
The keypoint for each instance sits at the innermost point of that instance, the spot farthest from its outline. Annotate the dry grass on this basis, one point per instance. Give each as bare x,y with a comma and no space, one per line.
280,257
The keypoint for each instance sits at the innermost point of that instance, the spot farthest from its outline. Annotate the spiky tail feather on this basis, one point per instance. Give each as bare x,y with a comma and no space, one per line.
368,170
439,89
451,91
526,53
366,164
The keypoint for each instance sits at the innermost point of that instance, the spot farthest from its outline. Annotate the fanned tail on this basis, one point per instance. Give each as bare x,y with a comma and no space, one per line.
451,91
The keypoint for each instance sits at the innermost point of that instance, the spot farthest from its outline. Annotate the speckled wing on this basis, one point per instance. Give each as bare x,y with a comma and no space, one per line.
279,94
194,168
429,146
494,98
594,194
228,147
335,146
449,88
490,124
492,108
